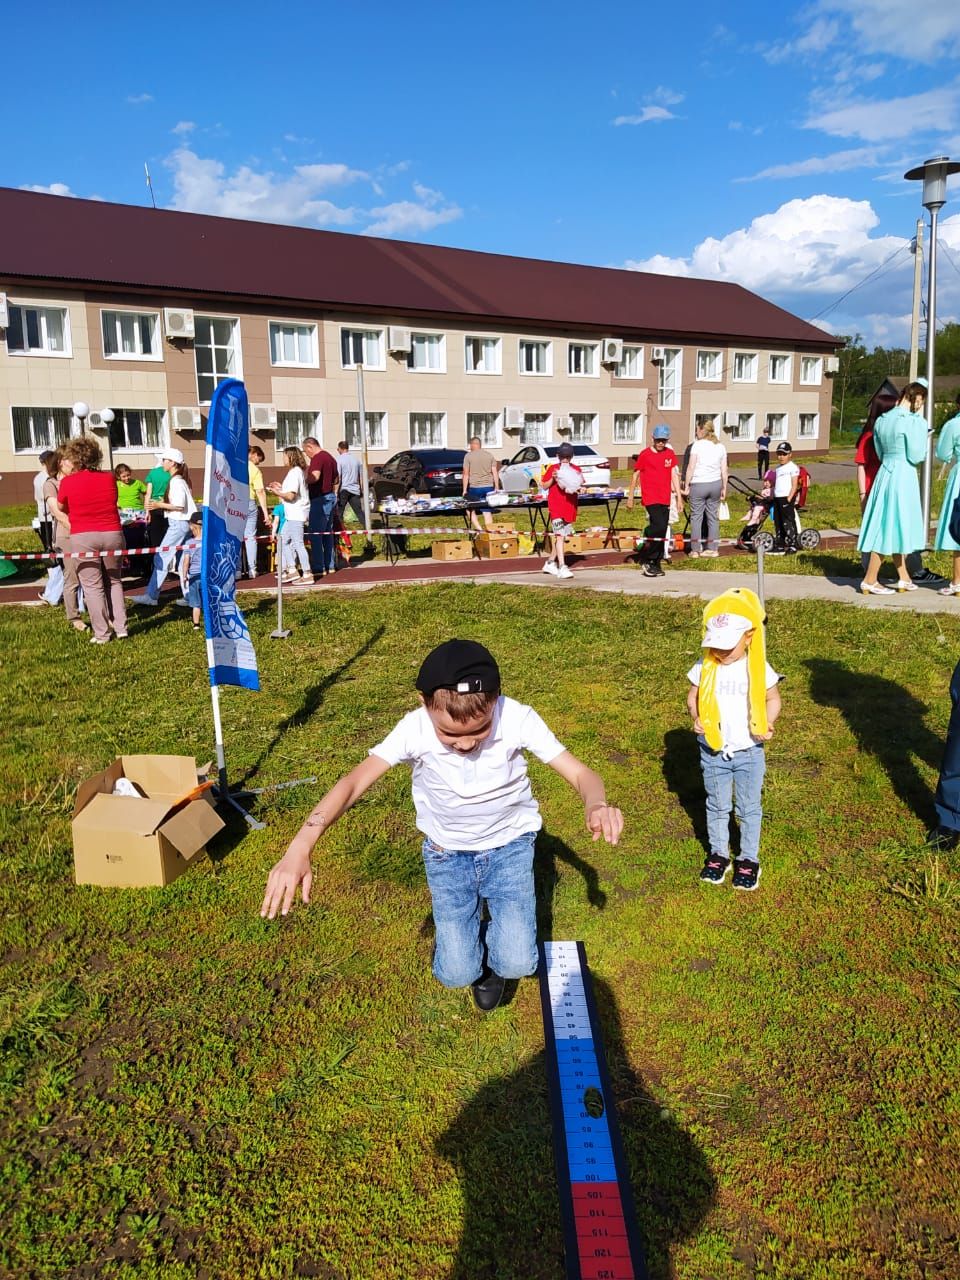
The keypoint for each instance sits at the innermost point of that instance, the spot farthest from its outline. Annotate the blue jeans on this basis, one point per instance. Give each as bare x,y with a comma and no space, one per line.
178,531
459,881
947,799
322,550
742,772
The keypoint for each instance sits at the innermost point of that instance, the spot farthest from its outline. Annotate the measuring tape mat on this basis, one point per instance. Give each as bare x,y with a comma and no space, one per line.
601,1238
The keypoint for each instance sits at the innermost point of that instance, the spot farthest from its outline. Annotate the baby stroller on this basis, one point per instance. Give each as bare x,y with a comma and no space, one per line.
753,536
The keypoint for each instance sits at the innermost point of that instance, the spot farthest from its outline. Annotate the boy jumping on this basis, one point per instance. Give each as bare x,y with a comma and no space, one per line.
476,811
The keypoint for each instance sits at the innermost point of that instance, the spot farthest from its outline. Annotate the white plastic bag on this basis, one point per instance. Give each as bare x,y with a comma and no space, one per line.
723,511
569,479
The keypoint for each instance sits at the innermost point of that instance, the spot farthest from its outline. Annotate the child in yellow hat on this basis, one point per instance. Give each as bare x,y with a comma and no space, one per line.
734,701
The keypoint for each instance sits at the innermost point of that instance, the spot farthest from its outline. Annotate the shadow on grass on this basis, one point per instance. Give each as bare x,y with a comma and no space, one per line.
684,778
887,722
549,852
501,1146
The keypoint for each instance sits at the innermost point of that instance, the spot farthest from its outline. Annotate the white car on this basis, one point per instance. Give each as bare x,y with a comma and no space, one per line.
522,473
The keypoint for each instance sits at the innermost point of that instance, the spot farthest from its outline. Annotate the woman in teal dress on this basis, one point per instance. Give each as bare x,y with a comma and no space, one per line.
948,450
893,517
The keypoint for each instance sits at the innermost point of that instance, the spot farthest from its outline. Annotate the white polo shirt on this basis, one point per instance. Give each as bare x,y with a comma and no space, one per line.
479,800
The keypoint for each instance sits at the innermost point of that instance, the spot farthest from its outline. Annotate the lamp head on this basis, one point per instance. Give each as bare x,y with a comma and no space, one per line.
934,173
107,416
81,410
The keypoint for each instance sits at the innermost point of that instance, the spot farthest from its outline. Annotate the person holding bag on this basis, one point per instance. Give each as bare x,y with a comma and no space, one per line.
293,493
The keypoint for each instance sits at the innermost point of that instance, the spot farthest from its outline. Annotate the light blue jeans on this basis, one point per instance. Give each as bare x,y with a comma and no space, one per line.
178,531
741,773
459,882
250,538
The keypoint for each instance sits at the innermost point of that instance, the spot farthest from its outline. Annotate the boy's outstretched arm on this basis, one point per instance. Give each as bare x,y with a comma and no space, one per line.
293,869
602,819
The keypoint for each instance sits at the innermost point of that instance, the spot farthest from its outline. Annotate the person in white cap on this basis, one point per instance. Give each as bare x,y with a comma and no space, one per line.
158,482
178,507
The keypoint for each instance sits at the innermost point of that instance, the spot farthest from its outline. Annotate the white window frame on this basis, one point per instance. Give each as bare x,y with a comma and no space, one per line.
788,368
120,416
754,359
497,343
817,361
546,425
378,433
591,357
637,437
214,347
535,342
632,352
769,429
676,396
314,428
42,309
808,435
365,330
471,430
275,329
53,439
746,428
717,375
435,341
427,444
156,356
592,420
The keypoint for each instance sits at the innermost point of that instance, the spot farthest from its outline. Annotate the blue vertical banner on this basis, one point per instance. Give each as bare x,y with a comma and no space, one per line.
226,499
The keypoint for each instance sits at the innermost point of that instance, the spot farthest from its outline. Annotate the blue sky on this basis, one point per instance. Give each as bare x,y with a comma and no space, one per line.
751,143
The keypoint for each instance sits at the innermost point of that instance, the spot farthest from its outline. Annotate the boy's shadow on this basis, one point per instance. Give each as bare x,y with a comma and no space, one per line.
684,777
888,722
501,1146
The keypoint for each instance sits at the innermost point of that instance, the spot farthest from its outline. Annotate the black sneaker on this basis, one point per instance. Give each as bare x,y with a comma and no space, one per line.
943,839
715,868
488,990
926,578
650,571
745,873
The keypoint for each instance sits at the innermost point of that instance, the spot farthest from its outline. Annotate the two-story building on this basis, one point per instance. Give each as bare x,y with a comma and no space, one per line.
142,311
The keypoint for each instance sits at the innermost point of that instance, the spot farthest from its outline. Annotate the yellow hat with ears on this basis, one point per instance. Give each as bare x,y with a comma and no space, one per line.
740,602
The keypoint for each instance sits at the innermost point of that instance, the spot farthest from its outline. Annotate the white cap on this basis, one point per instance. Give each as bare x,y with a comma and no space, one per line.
724,631
170,455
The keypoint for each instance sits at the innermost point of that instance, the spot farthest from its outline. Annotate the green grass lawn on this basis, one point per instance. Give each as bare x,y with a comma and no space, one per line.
188,1091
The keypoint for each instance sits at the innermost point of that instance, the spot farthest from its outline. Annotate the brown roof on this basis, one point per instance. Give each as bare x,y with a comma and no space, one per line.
90,242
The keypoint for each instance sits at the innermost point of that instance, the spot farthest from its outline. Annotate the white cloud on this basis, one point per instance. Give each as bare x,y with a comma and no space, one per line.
818,37
838,162
138,99
183,127
666,97
405,218
54,189
646,116
919,32
875,120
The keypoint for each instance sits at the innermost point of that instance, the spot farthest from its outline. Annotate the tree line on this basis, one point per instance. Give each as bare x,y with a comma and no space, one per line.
862,371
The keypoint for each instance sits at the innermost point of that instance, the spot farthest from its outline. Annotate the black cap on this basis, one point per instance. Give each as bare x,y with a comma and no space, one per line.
784,448
565,450
44,455
462,665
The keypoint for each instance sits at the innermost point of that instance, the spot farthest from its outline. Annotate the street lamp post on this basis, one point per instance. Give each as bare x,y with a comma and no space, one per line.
364,464
933,174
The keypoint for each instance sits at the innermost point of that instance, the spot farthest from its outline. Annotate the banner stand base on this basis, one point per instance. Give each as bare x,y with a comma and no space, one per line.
280,634
274,786
253,823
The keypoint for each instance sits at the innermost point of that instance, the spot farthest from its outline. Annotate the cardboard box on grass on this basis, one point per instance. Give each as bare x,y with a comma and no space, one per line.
629,539
497,546
134,841
460,549
579,543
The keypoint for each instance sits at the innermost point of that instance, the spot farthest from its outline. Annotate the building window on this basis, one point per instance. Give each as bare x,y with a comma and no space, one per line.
536,357
780,369
216,350
361,346
811,371
631,363
481,355
671,369
427,353
428,429
745,366
293,346
744,429
293,428
582,360
808,425
535,429
131,335
777,426
628,428
36,429
376,429
709,366
487,427
38,331
583,428
137,429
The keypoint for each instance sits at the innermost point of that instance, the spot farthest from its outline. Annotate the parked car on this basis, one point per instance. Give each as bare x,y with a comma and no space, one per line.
437,472
525,468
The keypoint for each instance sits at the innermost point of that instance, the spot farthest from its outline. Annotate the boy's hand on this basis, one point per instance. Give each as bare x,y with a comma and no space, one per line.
292,870
697,726
605,820
764,737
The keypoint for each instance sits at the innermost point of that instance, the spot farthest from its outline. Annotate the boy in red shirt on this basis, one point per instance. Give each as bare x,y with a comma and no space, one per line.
558,480
659,478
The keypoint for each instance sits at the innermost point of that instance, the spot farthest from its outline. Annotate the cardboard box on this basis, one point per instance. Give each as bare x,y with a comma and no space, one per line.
505,527
494,547
460,549
579,543
133,841
628,539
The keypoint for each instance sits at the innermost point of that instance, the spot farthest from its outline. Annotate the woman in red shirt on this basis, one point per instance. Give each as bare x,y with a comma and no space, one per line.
89,497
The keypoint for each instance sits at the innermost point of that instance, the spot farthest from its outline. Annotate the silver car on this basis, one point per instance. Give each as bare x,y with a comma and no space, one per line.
525,468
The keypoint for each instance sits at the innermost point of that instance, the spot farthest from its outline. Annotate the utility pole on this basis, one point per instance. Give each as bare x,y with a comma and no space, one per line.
917,287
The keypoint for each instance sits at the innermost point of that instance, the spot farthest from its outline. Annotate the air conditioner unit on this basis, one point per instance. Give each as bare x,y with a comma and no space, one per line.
4,312
832,364
611,351
398,340
656,353
177,323
512,417
263,417
731,419
95,420
186,419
